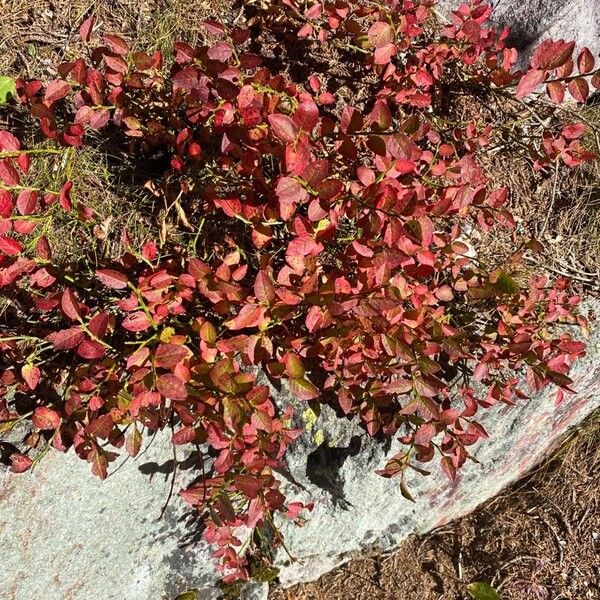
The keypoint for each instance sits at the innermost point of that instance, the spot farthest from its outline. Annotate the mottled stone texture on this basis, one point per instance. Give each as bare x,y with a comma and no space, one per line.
530,21
65,535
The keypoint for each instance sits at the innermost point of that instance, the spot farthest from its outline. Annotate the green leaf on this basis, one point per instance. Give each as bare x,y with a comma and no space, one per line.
189,595
303,389
507,285
7,89
482,591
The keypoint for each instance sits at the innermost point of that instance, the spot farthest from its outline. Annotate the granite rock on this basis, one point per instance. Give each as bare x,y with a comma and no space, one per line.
531,21
69,536
66,535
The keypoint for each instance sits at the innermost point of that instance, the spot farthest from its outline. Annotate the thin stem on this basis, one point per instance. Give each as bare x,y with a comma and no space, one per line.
17,153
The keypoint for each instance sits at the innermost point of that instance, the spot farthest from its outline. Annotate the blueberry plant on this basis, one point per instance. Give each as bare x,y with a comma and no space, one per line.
328,248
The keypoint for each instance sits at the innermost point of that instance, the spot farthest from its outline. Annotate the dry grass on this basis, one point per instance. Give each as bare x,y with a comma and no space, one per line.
34,33
34,37
560,208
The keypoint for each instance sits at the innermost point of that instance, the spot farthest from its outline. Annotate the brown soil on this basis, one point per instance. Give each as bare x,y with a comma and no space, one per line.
539,540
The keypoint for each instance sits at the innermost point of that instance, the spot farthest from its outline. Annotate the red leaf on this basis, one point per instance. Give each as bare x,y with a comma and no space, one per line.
185,435
112,279
70,305
20,463
380,34
307,115
66,339
556,91
232,207
91,350
116,44
448,468
221,51
6,204
529,82
116,63
550,55
84,114
362,249
72,136
99,118
293,365
98,325
10,246
574,131
143,400
170,386
316,319
100,427
261,235
8,142
425,387
425,433
251,315
65,196
55,90
186,79
247,484
85,31
45,418
290,191
194,495
381,115
351,120
24,226
27,202
99,461
42,278
170,355
264,290
24,162
283,127
133,443
8,174
384,54
585,61
136,321
579,89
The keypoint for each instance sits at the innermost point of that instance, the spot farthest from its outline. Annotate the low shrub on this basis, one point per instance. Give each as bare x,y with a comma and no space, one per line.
327,198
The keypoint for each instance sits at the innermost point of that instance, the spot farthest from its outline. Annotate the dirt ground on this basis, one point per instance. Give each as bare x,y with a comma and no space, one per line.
539,540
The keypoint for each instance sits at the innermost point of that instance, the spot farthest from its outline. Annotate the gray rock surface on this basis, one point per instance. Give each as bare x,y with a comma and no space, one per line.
531,21
66,535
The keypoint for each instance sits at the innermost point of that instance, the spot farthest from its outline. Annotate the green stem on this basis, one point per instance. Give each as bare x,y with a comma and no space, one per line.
17,153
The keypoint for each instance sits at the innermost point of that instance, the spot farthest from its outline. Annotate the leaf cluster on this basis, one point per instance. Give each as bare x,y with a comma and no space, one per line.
331,249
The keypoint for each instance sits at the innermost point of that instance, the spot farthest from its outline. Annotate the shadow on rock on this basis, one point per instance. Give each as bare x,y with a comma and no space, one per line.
323,468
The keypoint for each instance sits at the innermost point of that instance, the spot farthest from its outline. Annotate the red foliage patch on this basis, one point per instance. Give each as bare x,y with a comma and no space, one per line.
348,272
